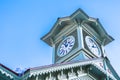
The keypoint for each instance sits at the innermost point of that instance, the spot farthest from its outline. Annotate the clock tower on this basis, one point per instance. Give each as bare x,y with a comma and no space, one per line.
77,37
78,52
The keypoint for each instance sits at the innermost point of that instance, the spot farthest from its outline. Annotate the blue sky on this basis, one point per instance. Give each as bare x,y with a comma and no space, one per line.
24,22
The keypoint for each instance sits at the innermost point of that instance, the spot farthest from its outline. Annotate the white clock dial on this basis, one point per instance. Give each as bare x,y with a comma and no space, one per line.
66,45
93,46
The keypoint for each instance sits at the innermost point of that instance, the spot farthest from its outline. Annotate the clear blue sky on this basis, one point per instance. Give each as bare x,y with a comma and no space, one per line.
24,22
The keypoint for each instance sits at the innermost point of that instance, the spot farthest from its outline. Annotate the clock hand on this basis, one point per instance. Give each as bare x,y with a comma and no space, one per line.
94,46
65,43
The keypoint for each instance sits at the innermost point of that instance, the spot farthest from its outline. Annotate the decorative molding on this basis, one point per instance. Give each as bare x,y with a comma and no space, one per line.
71,66
6,73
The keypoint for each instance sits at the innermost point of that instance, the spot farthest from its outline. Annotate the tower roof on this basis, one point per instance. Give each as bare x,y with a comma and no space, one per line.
78,17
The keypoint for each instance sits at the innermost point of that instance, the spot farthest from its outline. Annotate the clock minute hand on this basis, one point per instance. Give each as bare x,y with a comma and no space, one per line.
94,46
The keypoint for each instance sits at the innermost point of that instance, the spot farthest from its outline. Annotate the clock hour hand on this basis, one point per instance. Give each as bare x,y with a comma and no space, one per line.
66,43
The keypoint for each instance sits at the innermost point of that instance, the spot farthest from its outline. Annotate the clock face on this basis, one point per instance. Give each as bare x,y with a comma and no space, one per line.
65,46
93,46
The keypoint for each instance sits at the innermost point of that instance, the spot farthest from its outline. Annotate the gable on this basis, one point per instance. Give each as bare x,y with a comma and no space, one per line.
110,69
